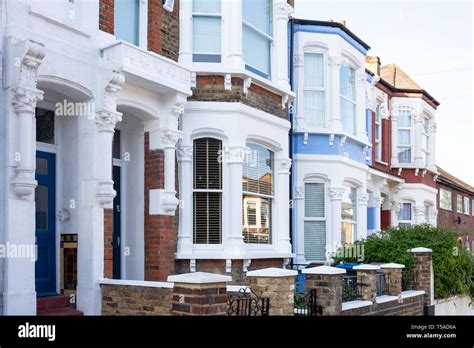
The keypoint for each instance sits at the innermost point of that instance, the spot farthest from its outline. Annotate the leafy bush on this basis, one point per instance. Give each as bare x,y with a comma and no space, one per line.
453,265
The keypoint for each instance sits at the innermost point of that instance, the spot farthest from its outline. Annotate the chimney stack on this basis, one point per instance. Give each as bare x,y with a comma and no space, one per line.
373,64
343,22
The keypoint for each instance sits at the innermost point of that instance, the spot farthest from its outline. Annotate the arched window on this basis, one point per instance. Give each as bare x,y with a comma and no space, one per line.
405,215
257,187
314,221
207,191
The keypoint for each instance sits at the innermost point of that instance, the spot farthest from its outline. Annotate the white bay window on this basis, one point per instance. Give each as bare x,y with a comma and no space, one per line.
378,134
405,215
257,36
425,141
348,99
404,137
207,31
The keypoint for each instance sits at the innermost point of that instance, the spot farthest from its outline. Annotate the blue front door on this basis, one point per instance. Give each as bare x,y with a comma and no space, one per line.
45,268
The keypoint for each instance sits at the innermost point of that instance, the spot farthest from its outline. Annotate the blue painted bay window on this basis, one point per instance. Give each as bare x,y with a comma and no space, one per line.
257,36
126,20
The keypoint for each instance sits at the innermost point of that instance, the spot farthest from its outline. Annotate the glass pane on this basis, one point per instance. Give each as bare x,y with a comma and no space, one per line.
126,20
41,166
404,155
425,142
404,119
207,6
314,108
207,164
315,240
314,70
45,126
256,50
404,137
348,232
207,35
348,204
348,116
257,219
258,14
314,200
41,200
116,145
405,212
426,125
377,114
207,207
427,214
347,85
258,170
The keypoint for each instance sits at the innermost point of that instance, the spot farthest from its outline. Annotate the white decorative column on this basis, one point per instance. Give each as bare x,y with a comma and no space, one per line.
280,38
231,27
418,124
335,124
298,104
334,231
186,33
298,221
185,234
434,217
234,158
18,291
432,146
419,214
394,210
378,200
95,173
282,200
361,82
362,200
164,201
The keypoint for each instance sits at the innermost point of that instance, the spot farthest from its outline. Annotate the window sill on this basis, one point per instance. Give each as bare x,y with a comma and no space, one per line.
313,130
222,255
381,162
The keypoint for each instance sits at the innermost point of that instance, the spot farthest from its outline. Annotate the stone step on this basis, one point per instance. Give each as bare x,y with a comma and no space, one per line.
52,302
63,312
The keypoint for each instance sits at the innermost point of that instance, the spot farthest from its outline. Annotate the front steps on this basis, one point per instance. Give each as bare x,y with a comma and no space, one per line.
56,306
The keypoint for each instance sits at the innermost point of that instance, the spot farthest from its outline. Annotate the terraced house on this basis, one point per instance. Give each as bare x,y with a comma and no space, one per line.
141,138
363,143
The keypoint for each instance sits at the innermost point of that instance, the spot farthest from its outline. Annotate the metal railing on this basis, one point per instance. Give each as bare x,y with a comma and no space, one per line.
351,289
246,303
305,304
381,280
409,282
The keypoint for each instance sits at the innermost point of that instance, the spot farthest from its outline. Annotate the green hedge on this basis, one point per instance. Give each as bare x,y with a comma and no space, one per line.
452,264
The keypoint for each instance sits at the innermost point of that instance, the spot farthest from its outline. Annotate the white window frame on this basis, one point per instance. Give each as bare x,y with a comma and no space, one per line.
310,50
266,36
354,222
142,25
260,195
310,219
405,146
441,191
194,190
426,133
406,222
459,199
208,15
427,213
467,208
353,102
378,133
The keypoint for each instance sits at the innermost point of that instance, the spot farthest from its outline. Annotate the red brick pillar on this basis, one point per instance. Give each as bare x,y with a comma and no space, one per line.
328,284
393,278
366,277
423,273
278,284
108,249
199,293
106,16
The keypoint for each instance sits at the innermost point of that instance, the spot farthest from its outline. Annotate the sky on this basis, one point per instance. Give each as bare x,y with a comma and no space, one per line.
432,41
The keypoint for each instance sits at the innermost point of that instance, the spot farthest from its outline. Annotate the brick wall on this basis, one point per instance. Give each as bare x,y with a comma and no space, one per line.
108,252
211,88
160,230
410,306
218,267
135,300
106,16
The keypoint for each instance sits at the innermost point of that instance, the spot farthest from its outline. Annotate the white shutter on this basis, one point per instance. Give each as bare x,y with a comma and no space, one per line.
314,231
314,240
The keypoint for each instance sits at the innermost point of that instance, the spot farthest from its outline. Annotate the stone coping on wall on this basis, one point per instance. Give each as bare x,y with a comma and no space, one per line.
136,283
365,267
392,265
272,272
412,293
420,250
199,278
327,270
385,298
237,288
355,304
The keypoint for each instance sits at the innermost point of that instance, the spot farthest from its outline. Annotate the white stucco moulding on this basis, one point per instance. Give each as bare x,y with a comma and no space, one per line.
392,265
366,268
272,272
327,270
199,278
420,250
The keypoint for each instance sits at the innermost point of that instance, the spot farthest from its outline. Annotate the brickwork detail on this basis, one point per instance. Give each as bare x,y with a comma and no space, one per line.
108,250
279,290
328,291
199,299
412,306
393,277
106,16
423,269
135,300
368,284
